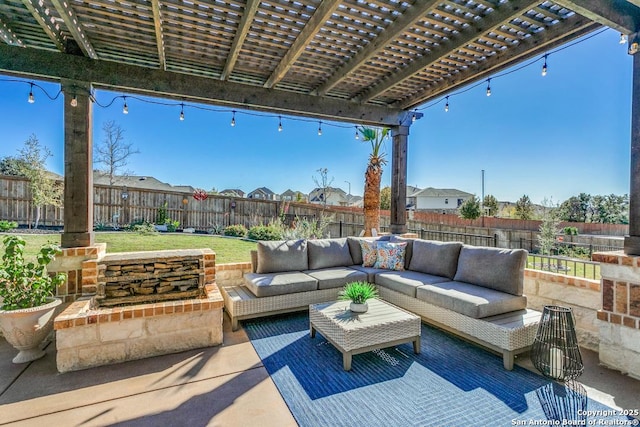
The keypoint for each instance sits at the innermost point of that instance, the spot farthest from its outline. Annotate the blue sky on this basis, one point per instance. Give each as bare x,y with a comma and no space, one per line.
547,137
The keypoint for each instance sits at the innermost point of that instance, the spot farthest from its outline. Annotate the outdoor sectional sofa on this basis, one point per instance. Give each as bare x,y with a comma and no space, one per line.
474,292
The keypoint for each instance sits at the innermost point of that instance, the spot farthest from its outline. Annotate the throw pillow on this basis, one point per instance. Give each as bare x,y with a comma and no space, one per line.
391,255
369,253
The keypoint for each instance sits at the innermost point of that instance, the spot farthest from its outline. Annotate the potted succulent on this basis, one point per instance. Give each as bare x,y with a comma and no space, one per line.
26,298
358,293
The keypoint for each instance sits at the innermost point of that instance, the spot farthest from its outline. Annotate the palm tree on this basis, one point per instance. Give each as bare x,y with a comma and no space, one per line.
372,177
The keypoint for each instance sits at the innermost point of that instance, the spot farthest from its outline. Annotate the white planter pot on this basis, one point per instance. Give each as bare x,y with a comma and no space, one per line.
26,328
358,308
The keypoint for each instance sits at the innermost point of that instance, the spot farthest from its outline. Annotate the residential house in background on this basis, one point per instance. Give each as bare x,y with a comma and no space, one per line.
136,181
232,192
293,196
332,196
262,193
411,198
440,199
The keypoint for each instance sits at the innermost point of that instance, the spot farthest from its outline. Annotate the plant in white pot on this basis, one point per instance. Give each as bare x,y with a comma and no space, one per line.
358,293
27,302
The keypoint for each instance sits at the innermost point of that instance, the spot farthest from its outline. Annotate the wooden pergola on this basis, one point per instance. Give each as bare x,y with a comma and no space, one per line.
365,62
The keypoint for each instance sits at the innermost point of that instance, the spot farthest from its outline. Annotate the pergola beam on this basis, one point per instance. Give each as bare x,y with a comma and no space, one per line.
397,27
317,20
241,34
554,36
9,36
46,22
157,23
70,19
503,13
111,75
621,15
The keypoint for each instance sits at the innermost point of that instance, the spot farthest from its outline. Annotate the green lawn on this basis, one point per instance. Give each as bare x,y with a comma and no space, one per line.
226,249
572,267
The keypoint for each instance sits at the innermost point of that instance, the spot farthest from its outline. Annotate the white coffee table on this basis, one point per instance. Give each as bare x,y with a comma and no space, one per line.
383,325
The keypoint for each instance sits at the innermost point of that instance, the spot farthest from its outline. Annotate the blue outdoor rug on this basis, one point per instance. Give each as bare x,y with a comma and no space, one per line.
451,383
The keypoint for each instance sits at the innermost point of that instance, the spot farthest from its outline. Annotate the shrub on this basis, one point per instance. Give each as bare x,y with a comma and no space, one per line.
172,225
141,227
570,231
264,232
237,230
8,225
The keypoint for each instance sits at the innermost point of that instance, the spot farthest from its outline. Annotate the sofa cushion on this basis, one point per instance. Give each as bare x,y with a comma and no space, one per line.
409,252
406,282
499,269
370,271
471,300
391,255
326,253
436,258
270,284
336,277
356,250
282,255
369,251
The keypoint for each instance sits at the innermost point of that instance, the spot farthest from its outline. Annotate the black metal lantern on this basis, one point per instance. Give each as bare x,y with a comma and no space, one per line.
555,352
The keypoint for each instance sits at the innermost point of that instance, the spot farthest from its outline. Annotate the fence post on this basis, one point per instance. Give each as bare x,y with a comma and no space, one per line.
495,240
340,228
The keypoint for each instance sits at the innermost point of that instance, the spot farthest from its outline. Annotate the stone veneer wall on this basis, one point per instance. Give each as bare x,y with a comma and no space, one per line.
81,268
581,295
620,311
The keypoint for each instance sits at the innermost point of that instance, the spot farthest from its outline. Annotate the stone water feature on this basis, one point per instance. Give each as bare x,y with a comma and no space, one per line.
147,304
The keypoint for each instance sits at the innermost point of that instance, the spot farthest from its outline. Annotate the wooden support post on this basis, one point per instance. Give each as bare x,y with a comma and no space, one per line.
78,165
632,241
400,136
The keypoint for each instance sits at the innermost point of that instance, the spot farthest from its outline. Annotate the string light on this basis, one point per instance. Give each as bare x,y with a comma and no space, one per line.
233,118
181,112
74,101
623,38
413,118
446,106
31,98
125,108
544,66
320,128
488,87
357,133
279,124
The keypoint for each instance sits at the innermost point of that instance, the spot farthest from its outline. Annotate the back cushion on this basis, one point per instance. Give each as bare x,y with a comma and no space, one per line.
494,268
282,255
391,255
327,253
435,258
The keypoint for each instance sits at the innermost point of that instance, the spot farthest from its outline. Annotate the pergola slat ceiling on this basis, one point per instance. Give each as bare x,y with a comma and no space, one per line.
391,53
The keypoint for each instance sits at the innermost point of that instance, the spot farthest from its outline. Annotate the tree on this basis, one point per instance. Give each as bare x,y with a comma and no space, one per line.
548,228
576,208
611,209
12,166
372,177
114,152
44,189
490,204
470,209
524,208
324,183
385,198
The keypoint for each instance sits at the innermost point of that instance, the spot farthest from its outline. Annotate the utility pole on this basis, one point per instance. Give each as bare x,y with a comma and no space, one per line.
349,196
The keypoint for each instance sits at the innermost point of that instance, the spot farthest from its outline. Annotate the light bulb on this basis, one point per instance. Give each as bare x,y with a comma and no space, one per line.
279,124
544,66
489,87
413,118
446,106
233,119
31,98
319,128
623,38
181,112
357,134
125,108
74,101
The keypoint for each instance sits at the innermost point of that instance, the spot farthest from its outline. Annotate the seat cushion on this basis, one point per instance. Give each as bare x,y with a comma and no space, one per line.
406,282
270,284
499,269
336,277
436,258
470,300
370,271
282,255
326,253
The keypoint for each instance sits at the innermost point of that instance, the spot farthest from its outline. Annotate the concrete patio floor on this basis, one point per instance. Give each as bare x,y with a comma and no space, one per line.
221,386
